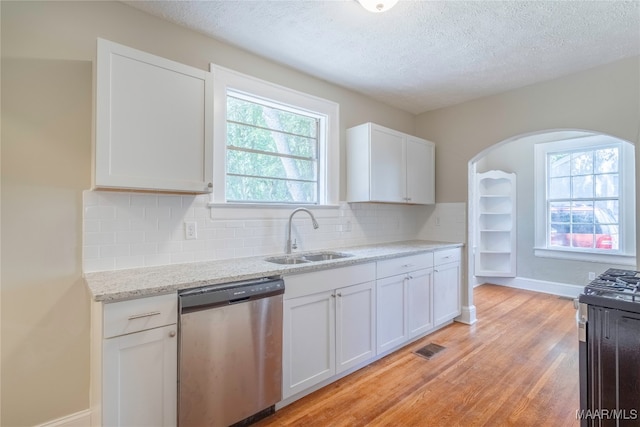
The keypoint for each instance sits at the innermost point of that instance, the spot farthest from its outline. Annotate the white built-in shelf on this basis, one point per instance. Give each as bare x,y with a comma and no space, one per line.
495,224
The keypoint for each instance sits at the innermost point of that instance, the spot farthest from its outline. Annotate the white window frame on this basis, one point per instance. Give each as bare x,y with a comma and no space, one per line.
329,146
627,241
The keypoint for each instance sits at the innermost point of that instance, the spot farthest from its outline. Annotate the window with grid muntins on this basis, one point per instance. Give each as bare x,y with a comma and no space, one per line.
272,152
583,198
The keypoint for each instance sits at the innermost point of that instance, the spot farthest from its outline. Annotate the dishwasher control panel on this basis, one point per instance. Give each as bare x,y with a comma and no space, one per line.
230,293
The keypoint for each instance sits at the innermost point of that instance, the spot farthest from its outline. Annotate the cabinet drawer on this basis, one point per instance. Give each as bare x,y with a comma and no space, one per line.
448,255
130,316
391,267
298,285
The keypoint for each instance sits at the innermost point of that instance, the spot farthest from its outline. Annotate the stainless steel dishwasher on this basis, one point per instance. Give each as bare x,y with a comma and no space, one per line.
230,353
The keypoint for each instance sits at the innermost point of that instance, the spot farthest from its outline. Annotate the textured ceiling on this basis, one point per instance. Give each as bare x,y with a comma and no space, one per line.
421,55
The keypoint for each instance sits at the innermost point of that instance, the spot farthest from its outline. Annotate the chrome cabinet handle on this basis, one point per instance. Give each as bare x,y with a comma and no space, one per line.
407,265
340,294
140,316
333,295
172,334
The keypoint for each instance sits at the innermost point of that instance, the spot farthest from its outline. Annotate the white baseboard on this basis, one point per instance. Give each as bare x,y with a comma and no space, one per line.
468,315
554,288
79,419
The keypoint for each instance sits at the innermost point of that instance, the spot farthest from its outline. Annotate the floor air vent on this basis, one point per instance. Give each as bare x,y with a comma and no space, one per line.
429,350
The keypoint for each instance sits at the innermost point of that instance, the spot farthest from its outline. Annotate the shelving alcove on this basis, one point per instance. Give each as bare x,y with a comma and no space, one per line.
495,251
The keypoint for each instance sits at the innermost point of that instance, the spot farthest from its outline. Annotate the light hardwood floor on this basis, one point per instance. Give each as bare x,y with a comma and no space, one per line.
518,366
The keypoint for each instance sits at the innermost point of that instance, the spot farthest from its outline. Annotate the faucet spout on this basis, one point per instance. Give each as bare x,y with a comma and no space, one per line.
313,221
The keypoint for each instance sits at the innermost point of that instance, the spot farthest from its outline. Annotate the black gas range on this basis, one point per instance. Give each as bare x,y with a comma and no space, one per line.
614,288
609,334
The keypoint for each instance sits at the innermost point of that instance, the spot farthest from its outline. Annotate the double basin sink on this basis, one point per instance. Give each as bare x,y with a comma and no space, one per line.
307,258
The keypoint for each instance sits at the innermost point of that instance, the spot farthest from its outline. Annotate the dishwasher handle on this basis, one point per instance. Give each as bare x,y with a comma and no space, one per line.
227,294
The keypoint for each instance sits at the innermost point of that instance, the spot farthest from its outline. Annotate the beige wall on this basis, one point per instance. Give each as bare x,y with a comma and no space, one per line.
47,54
605,99
46,134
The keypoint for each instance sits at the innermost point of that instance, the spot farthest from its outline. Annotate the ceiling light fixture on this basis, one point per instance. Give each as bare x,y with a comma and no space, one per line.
377,6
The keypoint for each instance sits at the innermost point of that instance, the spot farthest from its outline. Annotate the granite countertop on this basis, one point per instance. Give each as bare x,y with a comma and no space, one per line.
110,286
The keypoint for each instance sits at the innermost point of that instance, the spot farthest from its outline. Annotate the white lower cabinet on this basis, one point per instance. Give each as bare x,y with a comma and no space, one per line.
330,330
419,302
334,321
355,325
446,286
134,362
391,311
404,305
140,372
308,341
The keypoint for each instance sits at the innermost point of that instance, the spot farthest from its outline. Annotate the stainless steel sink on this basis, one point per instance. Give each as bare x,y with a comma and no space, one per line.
325,256
306,258
288,260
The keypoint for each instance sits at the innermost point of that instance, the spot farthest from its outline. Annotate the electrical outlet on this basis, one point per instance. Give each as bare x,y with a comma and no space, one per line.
347,226
190,230
592,275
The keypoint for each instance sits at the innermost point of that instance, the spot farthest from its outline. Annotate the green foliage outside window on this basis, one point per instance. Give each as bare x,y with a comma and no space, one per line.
272,153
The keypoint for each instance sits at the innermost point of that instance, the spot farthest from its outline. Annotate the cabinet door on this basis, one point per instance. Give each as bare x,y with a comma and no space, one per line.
420,171
308,342
446,292
154,122
355,325
391,309
388,171
419,297
140,378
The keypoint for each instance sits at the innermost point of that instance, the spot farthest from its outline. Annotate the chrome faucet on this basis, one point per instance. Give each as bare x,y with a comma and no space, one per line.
313,220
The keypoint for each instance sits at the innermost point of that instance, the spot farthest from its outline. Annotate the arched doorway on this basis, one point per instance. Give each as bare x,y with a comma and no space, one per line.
551,272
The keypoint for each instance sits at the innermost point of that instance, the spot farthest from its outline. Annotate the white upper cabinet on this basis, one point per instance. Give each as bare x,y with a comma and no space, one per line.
384,165
420,171
154,122
387,176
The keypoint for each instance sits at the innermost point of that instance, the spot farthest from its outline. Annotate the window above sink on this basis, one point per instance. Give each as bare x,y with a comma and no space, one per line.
272,137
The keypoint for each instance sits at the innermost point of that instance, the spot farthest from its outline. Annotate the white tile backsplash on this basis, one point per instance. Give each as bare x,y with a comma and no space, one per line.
445,222
127,230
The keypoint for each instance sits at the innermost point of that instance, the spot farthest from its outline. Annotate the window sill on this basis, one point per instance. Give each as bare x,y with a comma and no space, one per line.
618,258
